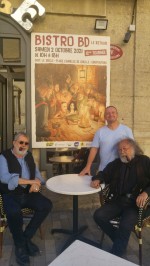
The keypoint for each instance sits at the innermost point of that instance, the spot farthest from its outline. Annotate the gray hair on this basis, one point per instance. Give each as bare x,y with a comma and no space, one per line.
134,144
17,135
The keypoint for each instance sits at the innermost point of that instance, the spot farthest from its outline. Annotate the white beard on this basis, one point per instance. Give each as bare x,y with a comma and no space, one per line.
124,159
21,152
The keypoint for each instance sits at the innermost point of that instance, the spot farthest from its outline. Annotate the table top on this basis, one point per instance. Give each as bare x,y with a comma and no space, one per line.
61,159
71,184
66,150
80,253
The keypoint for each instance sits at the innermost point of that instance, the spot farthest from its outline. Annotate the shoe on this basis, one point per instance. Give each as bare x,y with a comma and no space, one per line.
22,257
32,249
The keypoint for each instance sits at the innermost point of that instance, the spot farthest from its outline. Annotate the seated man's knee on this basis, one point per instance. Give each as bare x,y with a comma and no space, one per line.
12,210
14,214
127,227
46,204
50,205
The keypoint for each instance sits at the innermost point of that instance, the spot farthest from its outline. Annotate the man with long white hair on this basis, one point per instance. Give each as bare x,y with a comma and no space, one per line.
129,181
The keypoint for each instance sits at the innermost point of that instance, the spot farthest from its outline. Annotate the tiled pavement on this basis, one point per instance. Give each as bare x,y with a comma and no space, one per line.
61,217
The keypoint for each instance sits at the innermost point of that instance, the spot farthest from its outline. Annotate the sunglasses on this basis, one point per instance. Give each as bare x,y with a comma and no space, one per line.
23,142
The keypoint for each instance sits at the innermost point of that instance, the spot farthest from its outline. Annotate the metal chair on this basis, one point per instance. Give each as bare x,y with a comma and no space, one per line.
142,222
27,215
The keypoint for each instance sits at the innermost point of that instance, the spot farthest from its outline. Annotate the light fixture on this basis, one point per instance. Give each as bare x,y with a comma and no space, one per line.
82,73
127,36
132,25
101,24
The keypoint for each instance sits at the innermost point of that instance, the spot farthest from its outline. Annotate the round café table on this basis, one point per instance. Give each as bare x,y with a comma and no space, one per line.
64,151
64,159
61,159
75,185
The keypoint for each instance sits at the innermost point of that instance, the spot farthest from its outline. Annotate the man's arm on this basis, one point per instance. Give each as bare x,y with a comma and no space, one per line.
98,179
142,197
91,157
39,176
107,175
13,179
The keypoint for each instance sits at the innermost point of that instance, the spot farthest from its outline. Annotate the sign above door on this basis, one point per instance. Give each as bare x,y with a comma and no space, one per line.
25,14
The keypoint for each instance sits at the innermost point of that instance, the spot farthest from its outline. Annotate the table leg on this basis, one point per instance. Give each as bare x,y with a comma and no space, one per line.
75,214
67,168
75,231
60,169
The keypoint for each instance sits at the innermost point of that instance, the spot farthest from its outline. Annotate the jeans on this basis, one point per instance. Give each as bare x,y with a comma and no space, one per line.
13,205
127,210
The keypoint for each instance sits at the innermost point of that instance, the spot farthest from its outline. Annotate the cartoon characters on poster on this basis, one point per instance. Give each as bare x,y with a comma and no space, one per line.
68,108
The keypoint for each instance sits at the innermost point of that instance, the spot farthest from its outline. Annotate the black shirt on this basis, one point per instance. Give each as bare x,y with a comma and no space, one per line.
132,177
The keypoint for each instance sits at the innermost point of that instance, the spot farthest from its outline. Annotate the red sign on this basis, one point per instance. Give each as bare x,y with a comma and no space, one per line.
115,52
96,52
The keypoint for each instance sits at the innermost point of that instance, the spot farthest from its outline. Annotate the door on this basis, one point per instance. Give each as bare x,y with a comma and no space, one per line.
15,82
3,123
12,104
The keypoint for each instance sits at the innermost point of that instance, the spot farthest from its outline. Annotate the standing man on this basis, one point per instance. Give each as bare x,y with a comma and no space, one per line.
20,182
106,139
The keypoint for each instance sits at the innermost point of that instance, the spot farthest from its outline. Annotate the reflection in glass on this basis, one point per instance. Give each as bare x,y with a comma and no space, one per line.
19,106
11,50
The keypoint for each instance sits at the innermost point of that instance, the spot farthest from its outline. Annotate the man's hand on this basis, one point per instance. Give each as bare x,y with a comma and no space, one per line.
35,185
140,200
95,184
85,171
34,188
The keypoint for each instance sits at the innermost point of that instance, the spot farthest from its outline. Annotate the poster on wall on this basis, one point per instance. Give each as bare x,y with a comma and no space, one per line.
70,79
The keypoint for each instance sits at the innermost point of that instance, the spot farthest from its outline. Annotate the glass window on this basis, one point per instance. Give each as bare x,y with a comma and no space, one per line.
11,49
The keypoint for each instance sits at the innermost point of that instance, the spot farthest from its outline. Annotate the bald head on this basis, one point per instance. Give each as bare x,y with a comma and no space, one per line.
111,106
111,114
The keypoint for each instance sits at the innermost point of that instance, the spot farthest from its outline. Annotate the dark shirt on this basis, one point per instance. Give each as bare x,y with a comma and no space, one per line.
124,178
127,179
12,168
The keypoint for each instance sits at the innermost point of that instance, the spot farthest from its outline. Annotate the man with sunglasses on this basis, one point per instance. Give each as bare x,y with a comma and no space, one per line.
20,182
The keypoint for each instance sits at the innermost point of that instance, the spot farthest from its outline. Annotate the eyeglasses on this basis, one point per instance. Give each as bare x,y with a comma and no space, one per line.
23,142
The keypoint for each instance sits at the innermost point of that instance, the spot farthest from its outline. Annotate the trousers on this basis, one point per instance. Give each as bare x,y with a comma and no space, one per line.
13,205
127,210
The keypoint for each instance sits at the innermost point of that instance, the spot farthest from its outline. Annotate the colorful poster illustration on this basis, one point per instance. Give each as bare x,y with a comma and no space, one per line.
70,88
